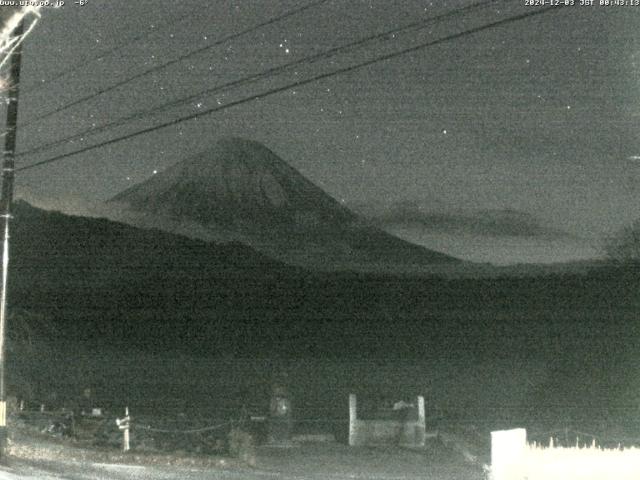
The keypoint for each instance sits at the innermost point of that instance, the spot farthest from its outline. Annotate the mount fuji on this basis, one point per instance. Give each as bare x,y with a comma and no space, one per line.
240,191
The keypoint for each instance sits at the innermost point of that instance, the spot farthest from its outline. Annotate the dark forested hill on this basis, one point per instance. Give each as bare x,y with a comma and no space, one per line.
103,280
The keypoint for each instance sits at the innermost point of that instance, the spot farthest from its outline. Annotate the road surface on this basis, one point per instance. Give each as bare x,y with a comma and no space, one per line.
302,462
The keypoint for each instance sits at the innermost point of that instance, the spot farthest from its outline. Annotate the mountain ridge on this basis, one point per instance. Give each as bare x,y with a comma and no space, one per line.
239,190
246,175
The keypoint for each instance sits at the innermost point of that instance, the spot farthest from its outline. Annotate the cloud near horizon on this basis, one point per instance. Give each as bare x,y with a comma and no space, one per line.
487,223
492,236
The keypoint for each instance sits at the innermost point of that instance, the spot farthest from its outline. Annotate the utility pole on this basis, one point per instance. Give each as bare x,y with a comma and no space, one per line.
6,197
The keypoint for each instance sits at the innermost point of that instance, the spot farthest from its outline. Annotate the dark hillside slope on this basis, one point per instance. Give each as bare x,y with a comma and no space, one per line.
104,280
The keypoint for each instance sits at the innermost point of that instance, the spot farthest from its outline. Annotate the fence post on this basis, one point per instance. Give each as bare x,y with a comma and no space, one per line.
422,422
353,418
508,454
124,424
125,443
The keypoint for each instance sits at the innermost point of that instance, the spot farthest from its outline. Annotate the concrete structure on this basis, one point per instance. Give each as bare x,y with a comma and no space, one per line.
512,458
508,453
408,432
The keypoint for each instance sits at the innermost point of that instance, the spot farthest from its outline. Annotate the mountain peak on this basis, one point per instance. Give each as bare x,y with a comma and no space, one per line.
239,190
238,155
235,180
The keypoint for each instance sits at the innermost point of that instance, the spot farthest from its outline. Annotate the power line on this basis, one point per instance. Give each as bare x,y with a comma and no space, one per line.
83,63
253,78
177,60
293,85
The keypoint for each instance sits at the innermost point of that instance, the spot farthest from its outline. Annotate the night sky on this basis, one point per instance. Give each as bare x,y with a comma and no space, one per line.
538,115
